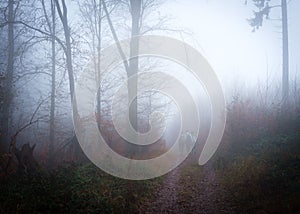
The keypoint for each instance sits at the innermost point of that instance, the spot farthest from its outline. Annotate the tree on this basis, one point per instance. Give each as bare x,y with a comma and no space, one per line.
51,26
131,65
63,15
139,12
53,85
92,15
135,9
47,30
21,38
9,74
256,22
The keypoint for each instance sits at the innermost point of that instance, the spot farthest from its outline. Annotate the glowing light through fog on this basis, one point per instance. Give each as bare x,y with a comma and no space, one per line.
224,37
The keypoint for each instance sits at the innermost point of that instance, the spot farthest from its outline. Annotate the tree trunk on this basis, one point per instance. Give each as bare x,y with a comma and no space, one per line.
8,96
131,67
98,70
64,19
133,62
63,15
285,54
52,107
96,48
132,82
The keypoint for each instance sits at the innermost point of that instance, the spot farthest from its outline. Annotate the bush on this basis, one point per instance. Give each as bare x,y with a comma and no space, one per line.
72,189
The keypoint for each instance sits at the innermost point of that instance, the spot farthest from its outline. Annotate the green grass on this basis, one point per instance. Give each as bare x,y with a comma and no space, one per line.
266,177
74,189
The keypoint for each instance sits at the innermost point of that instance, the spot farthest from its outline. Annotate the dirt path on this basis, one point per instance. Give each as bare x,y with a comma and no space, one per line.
166,198
202,193
196,190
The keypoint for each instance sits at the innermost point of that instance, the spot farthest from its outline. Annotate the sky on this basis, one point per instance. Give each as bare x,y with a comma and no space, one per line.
222,34
220,31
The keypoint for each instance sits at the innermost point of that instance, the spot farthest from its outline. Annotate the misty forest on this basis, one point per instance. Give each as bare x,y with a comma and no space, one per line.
56,82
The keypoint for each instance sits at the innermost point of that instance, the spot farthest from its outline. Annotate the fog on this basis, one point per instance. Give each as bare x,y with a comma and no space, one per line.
183,94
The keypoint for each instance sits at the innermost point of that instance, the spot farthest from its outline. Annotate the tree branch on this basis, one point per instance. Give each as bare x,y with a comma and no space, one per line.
38,30
115,37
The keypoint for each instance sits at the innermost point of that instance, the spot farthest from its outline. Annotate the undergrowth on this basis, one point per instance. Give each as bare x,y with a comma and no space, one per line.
74,189
260,170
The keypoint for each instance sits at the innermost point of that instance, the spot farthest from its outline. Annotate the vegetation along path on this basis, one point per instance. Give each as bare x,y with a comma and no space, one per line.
190,189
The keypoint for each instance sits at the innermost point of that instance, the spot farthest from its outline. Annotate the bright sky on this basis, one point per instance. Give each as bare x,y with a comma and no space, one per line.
240,57
223,35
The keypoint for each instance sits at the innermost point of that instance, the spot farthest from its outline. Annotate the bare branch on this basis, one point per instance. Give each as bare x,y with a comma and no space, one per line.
115,37
38,30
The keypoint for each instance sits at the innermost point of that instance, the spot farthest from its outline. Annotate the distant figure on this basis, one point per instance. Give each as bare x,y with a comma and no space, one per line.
186,142
181,144
194,139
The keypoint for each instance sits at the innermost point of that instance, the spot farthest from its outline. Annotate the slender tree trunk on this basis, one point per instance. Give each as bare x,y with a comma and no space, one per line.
96,46
63,14
99,58
8,96
133,62
285,54
132,84
131,67
94,53
53,86
70,69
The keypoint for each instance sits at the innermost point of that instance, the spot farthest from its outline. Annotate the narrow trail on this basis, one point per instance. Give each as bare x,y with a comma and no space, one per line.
195,193
166,198
205,194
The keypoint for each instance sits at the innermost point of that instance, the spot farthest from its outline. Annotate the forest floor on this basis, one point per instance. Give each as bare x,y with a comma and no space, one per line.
263,178
267,181
190,189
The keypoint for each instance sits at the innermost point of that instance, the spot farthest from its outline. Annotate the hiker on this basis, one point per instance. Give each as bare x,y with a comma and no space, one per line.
193,139
181,144
186,142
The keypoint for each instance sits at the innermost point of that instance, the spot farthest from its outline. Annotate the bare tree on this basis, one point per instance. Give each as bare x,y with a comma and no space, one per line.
63,15
135,9
9,74
21,39
53,86
131,65
52,28
91,12
139,11
256,22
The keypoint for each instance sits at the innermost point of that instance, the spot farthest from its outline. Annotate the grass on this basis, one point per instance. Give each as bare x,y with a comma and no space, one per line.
257,164
263,175
74,189
190,175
